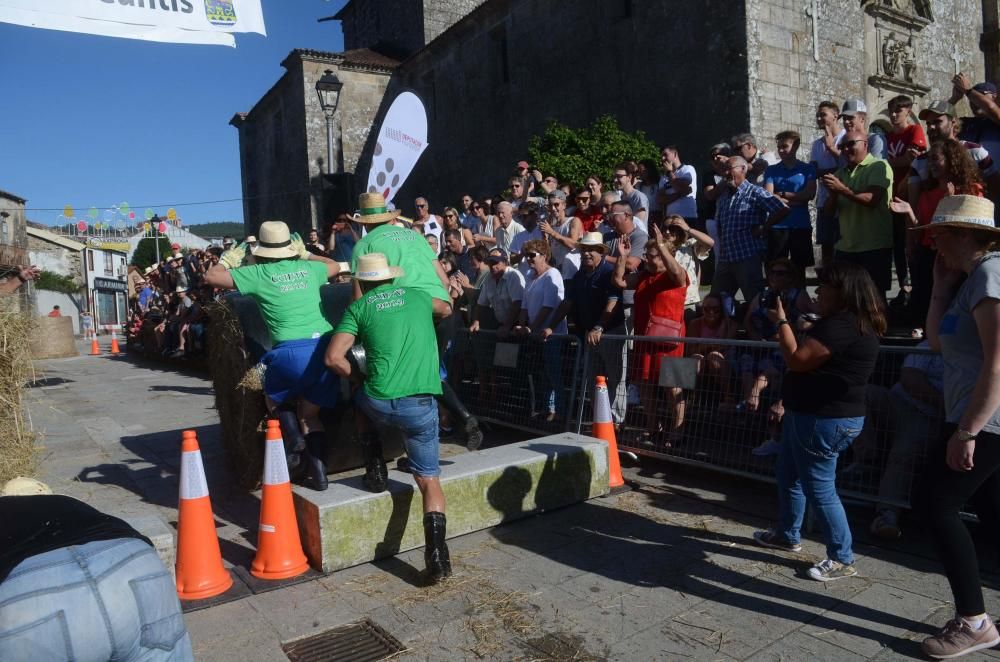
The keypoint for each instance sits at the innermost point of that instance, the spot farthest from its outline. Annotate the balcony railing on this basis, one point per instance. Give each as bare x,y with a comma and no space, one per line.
12,256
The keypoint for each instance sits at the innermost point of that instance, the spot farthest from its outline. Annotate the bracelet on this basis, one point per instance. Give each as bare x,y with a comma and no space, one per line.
965,435
783,322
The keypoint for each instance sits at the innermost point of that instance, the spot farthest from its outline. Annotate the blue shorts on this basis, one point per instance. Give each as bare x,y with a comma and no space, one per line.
417,417
295,369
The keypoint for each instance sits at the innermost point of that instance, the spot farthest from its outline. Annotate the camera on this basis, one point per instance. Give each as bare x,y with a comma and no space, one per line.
769,298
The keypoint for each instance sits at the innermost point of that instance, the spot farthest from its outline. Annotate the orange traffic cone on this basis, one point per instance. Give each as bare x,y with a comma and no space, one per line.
114,343
604,428
200,573
279,549
94,349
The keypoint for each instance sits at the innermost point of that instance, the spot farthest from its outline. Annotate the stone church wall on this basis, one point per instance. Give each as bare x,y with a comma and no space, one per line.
786,82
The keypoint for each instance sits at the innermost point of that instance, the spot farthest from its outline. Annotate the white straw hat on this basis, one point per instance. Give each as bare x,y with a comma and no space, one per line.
275,241
593,240
372,208
963,211
375,267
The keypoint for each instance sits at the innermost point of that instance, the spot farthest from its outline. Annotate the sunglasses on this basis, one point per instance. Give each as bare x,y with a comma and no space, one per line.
852,143
589,249
421,206
532,255
450,216
477,206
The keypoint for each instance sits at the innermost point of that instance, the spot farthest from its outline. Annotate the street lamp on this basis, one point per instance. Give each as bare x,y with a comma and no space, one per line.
328,90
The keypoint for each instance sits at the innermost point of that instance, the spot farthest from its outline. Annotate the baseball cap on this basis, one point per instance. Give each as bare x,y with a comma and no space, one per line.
496,255
852,107
985,87
939,107
522,164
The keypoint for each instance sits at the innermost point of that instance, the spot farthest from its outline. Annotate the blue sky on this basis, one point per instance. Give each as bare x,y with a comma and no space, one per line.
96,121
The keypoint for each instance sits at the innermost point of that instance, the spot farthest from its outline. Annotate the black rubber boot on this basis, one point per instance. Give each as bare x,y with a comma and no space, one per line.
435,548
469,424
295,443
376,474
315,462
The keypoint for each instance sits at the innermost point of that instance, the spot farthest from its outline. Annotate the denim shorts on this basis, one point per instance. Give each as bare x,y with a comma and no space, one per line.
417,417
109,599
295,368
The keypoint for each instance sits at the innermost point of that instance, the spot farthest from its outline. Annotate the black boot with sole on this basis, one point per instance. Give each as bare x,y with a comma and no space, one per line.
436,549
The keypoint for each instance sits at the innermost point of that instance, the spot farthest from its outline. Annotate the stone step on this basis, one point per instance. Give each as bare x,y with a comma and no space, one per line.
346,525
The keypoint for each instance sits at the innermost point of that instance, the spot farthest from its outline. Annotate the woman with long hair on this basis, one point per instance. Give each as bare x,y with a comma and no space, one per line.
952,171
658,310
963,323
824,400
450,222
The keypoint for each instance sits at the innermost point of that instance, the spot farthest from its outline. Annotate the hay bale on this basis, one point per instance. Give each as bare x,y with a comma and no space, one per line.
239,395
53,338
17,442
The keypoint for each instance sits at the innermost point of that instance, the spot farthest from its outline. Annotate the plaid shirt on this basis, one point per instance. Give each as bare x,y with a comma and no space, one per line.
737,213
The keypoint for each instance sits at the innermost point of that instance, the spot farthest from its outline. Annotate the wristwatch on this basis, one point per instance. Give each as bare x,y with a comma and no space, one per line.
964,435
597,327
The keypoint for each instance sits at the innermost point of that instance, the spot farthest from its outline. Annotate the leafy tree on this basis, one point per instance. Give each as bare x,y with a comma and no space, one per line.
572,155
145,253
216,229
54,282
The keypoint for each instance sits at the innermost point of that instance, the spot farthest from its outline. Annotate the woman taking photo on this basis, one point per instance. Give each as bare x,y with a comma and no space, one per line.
963,323
660,289
824,400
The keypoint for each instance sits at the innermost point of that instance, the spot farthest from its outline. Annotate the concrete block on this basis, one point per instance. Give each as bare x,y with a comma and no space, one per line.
160,534
347,525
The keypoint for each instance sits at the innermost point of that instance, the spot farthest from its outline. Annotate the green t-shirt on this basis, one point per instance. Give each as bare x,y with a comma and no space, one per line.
288,295
403,248
865,228
395,326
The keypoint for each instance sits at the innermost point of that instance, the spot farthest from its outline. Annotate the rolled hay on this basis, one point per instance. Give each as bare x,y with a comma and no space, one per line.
239,395
53,338
17,441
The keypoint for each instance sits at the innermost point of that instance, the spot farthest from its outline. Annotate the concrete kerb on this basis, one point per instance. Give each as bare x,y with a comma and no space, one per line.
347,525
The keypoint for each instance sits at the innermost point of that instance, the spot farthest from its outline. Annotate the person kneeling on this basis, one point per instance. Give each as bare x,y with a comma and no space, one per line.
395,325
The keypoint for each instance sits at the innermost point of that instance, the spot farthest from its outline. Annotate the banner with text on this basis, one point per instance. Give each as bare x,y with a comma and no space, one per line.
177,21
401,141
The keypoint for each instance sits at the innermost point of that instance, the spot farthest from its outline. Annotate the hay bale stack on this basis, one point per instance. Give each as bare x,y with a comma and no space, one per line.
53,338
17,442
239,395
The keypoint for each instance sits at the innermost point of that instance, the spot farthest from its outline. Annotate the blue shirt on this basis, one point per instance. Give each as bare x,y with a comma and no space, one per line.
343,246
590,294
737,213
791,180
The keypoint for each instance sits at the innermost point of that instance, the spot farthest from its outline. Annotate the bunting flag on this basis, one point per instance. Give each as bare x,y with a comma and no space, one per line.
175,21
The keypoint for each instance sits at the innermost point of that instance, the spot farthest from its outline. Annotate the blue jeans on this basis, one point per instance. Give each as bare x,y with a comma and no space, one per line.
417,417
807,469
110,599
550,396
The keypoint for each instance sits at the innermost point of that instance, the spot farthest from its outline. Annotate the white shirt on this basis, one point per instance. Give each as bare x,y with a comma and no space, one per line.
824,160
686,207
501,294
505,236
432,226
545,291
688,256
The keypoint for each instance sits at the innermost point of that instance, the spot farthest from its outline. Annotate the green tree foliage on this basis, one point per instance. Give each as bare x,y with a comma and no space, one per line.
145,253
54,282
572,155
219,229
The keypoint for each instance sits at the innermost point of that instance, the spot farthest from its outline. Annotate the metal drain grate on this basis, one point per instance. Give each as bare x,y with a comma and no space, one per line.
363,641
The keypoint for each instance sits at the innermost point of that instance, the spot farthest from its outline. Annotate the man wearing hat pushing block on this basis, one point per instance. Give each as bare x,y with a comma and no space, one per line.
285,283
407,249
395,324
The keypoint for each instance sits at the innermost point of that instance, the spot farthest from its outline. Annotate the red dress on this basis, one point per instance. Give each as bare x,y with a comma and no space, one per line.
656,295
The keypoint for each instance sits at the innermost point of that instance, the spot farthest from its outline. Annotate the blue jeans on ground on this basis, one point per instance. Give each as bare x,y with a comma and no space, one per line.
110,599
807,469
417,417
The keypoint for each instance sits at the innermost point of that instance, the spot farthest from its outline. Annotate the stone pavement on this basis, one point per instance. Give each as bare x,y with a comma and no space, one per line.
664,572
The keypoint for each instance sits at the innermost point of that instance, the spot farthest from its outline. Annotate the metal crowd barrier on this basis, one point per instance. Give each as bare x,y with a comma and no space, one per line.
711,411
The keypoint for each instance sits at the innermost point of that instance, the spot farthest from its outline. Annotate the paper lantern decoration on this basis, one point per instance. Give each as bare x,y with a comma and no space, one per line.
92,212
123,207
81,226
171,214
162,227
149,214
68,211
131,216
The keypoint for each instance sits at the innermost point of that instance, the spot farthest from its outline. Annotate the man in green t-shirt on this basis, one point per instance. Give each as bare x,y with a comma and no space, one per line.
285,283
409,250
861,192
395,323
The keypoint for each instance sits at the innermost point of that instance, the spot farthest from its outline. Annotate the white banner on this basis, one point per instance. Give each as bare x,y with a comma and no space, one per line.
401,141
178,21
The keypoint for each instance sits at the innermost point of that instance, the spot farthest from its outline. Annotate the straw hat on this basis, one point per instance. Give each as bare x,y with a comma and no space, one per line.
375,267
148,271
275,241
372,208
593,240
963,211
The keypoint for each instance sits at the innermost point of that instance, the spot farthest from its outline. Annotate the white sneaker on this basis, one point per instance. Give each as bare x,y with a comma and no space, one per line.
769,447
829,570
